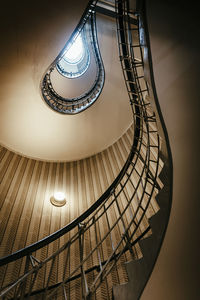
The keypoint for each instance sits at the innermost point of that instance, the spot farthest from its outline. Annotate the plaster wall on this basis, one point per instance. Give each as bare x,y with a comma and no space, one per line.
32,35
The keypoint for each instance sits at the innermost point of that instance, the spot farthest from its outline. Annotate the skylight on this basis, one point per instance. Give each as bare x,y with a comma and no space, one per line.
76,59
75,53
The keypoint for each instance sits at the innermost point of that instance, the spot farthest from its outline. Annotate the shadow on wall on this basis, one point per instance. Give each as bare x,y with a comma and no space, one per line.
174,32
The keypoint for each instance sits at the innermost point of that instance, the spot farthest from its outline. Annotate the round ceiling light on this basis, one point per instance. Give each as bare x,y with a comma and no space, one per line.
58,199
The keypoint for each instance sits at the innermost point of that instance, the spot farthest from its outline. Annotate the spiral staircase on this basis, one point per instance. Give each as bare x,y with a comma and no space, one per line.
109,251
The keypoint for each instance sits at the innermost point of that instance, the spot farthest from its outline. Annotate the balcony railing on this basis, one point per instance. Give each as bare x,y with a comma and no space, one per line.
77,104
84,259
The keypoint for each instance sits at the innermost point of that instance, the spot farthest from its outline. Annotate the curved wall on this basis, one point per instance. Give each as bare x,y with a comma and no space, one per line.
27,125
26,186
174,33
27,216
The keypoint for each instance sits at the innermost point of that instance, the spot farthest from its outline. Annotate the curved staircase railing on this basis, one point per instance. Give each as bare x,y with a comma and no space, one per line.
77,104
87,257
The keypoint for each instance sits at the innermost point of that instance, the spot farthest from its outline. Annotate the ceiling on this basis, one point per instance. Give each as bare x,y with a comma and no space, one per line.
32,35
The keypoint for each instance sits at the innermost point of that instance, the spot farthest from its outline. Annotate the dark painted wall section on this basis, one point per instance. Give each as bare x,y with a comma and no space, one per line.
175,41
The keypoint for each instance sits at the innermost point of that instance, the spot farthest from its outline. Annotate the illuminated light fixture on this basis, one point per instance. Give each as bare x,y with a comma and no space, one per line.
58,199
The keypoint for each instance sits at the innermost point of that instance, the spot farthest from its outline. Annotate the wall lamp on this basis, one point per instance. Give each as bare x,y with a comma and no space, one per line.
58,199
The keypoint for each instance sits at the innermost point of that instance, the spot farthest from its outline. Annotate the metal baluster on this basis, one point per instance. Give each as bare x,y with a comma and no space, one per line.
34,261
96,238
111,240
65,268
85,290
128,202
20,291
64,292
66,260
125,234
49,277
109,228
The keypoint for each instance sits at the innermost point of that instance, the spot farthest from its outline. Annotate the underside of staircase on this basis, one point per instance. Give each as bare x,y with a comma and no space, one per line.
139,270
110,250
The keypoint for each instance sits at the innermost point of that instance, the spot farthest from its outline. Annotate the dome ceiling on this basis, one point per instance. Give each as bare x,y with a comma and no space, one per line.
31,38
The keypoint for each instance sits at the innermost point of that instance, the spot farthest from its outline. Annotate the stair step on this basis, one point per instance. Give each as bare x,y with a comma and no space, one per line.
139,270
